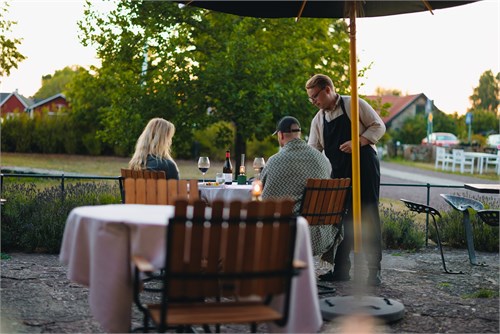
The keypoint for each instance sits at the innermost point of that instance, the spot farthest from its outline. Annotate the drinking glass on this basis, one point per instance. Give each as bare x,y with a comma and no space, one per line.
219,178
258,165
203,166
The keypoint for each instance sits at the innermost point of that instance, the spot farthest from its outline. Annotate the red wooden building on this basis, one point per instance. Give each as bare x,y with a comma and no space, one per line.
11,103
52,105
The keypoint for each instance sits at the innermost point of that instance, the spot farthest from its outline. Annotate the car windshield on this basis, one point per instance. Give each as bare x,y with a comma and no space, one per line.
446,137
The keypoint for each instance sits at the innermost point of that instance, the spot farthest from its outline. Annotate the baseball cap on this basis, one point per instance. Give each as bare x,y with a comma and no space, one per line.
285,125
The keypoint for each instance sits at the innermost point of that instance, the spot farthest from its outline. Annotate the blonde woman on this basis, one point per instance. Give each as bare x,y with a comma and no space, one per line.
152,150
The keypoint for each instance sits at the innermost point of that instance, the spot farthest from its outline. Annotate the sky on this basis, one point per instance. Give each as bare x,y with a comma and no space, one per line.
441,55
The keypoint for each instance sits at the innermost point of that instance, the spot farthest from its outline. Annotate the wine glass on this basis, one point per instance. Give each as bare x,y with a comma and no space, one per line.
258,165
203,166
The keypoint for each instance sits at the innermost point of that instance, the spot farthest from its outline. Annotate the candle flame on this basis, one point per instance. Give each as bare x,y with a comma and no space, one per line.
256,188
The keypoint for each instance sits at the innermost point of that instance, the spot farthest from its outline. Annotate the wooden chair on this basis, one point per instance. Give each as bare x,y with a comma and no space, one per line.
494,161
215,262
443,157
460,159
152,187
324,203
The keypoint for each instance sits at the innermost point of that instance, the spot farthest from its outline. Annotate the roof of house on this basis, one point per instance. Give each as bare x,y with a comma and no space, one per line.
24,100
398,104
44,101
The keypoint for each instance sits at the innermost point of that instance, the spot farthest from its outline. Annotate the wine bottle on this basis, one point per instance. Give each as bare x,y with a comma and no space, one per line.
227,169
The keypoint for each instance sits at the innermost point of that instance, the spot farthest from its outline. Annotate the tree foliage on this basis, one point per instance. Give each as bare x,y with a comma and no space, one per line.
196,67
11,57
486,95
56,83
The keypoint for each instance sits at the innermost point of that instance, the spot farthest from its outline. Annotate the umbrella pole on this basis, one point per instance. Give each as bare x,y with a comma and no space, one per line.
383,308
356,184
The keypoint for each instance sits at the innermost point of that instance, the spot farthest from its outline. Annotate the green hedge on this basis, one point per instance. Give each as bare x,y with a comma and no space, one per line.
33,218
399,230
452,231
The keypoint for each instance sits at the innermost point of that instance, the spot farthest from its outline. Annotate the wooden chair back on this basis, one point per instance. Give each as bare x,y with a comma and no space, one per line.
152,187
227,253
324,201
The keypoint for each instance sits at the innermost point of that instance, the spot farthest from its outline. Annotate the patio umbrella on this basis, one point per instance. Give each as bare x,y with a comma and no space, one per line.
333,9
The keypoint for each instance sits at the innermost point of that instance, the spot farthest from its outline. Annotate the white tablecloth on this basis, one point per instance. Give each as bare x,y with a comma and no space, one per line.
226,192
98,243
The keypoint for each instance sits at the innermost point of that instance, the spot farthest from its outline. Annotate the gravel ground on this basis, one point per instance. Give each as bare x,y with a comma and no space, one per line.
36,296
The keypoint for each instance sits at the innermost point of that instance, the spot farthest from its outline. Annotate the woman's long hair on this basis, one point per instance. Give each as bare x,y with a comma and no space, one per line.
155,140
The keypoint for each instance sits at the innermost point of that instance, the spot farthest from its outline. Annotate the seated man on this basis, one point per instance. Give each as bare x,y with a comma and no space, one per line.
285,176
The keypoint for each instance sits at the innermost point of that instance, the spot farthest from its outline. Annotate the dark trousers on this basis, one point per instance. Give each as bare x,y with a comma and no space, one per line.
370,219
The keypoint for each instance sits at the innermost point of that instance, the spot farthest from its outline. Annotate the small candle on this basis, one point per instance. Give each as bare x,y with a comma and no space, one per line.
242,170
256,189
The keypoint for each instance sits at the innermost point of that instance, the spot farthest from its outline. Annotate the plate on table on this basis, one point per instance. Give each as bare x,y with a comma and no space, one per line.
211,184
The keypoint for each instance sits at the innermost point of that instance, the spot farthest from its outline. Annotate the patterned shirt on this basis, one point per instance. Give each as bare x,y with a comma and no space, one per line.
285,176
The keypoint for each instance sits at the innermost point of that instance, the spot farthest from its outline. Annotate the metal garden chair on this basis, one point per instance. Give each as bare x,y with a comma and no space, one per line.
422,208
463,205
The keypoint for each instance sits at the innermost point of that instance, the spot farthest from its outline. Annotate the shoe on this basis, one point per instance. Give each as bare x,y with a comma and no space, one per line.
334,276
374,278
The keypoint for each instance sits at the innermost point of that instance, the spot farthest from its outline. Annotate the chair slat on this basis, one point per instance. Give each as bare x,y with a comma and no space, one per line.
171,191
151,189
161,191
140,191
194,192
129,186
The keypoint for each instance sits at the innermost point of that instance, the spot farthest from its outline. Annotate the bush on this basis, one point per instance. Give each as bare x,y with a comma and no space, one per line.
34,219
452,230
399,230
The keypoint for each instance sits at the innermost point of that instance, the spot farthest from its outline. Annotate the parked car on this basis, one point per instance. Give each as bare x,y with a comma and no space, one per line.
444,139
492,143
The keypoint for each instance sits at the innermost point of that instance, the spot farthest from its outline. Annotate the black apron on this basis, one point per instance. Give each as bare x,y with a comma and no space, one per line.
335,133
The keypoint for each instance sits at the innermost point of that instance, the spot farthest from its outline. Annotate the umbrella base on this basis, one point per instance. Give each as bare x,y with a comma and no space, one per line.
384,309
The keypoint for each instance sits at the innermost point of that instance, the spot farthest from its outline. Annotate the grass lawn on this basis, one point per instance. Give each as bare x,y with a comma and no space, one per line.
99,165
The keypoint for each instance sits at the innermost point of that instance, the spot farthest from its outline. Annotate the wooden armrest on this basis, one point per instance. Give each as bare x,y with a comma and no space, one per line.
298,264
142,264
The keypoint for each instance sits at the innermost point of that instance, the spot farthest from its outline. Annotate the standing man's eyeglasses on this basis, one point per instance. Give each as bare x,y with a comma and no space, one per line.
313,98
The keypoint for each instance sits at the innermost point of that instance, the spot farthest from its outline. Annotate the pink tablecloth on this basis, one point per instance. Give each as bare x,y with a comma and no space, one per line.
98,243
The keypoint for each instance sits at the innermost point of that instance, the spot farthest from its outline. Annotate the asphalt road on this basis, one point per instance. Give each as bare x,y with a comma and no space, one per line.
399,181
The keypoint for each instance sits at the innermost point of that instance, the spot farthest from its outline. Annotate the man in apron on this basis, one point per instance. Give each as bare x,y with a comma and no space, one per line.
331,133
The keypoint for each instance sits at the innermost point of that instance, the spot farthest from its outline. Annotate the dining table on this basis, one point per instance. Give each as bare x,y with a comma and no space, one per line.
98,244
481,158
226,192
485,188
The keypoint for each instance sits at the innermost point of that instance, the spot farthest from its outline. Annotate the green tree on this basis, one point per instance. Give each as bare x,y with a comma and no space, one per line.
380,91
56,83
146,71
442,122
259,75
485,122
11,57
412,131
486,95
196,68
